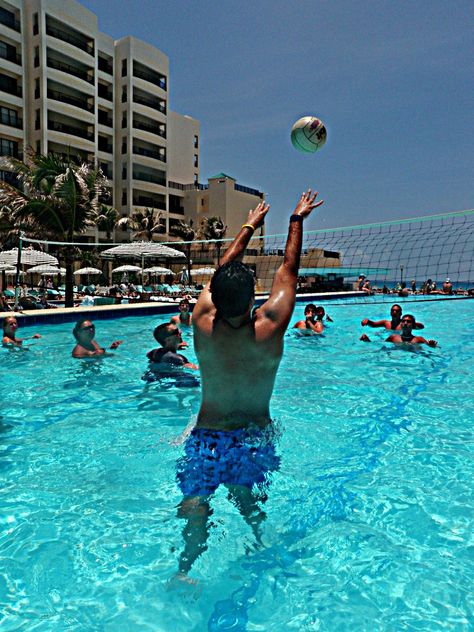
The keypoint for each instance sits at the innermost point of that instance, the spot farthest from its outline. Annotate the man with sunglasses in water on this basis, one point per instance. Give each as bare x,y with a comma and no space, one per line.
239,351
87,347
405,336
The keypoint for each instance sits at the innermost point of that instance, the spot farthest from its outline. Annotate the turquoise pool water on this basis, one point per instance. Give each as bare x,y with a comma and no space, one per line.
369,518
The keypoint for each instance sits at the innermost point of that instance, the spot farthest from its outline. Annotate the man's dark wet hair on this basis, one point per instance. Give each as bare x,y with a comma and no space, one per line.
396,305
232,289
310,306
411,317
161,332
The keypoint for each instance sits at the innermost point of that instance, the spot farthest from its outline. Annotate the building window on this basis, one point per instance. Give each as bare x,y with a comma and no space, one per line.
124,94
124,173
9,117
124,197
35,24
124,145
37,57
37,89
124,67
124,120
196,161
196,142
37,119
8,147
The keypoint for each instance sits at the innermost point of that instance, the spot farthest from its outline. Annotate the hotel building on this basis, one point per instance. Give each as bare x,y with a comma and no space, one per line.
67,88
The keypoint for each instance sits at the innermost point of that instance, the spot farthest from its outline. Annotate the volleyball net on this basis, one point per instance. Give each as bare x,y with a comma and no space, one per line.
408,257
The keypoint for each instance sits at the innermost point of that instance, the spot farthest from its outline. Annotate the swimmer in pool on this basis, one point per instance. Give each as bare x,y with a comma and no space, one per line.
408,323
405,336
168,335
87,347
10,327
310,325
393,324
239,351
184,318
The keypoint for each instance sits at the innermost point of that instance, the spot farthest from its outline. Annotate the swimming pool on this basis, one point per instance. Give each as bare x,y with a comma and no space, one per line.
369,518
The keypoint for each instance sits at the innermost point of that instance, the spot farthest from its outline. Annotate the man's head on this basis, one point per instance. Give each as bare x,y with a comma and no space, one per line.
408,323
396,311
184,305
233,289
310,310
168,335
84,330
10,325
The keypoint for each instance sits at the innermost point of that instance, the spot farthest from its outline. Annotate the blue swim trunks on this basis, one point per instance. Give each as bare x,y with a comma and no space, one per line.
230,457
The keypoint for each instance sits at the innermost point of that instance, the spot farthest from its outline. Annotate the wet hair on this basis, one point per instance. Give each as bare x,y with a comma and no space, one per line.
310,306
184,301
232,288
411,317
161,332
397,305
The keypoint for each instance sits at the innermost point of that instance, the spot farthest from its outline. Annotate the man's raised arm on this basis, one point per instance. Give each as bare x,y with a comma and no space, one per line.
236,251
280,304
237,248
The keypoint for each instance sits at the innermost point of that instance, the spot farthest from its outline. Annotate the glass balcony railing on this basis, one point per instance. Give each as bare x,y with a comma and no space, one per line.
147,177
64,128
67,98
70,38
146,127
141,200
151,78
155,104
149,153
70,70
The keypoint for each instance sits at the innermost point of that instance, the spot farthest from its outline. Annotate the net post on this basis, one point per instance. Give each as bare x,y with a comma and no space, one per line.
18,265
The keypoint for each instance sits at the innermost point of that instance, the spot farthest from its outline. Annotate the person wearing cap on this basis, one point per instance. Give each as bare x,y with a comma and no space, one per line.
447,286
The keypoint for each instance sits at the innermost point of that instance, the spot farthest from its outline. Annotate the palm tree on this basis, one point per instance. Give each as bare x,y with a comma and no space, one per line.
57,197
187,233
213,228
144,224
107,219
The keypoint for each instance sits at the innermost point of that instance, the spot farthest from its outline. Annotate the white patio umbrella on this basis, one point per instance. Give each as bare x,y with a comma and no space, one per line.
46,270
6,267
29,256
88,271
13,272
143,249
158,270
202,271
127,269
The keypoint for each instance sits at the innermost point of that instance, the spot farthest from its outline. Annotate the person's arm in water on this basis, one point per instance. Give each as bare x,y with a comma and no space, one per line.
235,251
279,307
374,323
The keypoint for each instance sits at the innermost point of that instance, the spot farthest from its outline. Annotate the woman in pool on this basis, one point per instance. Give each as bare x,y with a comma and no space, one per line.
10,327
87,347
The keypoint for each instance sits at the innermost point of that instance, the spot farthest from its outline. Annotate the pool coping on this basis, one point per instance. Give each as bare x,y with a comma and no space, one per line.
105,312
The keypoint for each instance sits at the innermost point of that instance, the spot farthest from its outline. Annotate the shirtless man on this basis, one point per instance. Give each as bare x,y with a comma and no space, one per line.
406,337
10,327
393,324
184,317
310,324
239,353
87,347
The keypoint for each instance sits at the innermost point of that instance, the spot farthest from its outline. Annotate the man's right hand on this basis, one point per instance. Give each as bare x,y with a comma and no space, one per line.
307,203
256,216
365,322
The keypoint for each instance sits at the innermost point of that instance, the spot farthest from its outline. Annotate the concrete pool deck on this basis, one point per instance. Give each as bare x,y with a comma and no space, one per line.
102,312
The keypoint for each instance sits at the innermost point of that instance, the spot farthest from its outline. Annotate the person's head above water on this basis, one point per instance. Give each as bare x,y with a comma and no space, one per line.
83,330
233,289
167,335
310,309
184,305
10,325
396,311
408,321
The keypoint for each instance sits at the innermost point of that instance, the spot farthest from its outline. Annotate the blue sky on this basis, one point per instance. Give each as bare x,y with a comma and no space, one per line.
393,82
